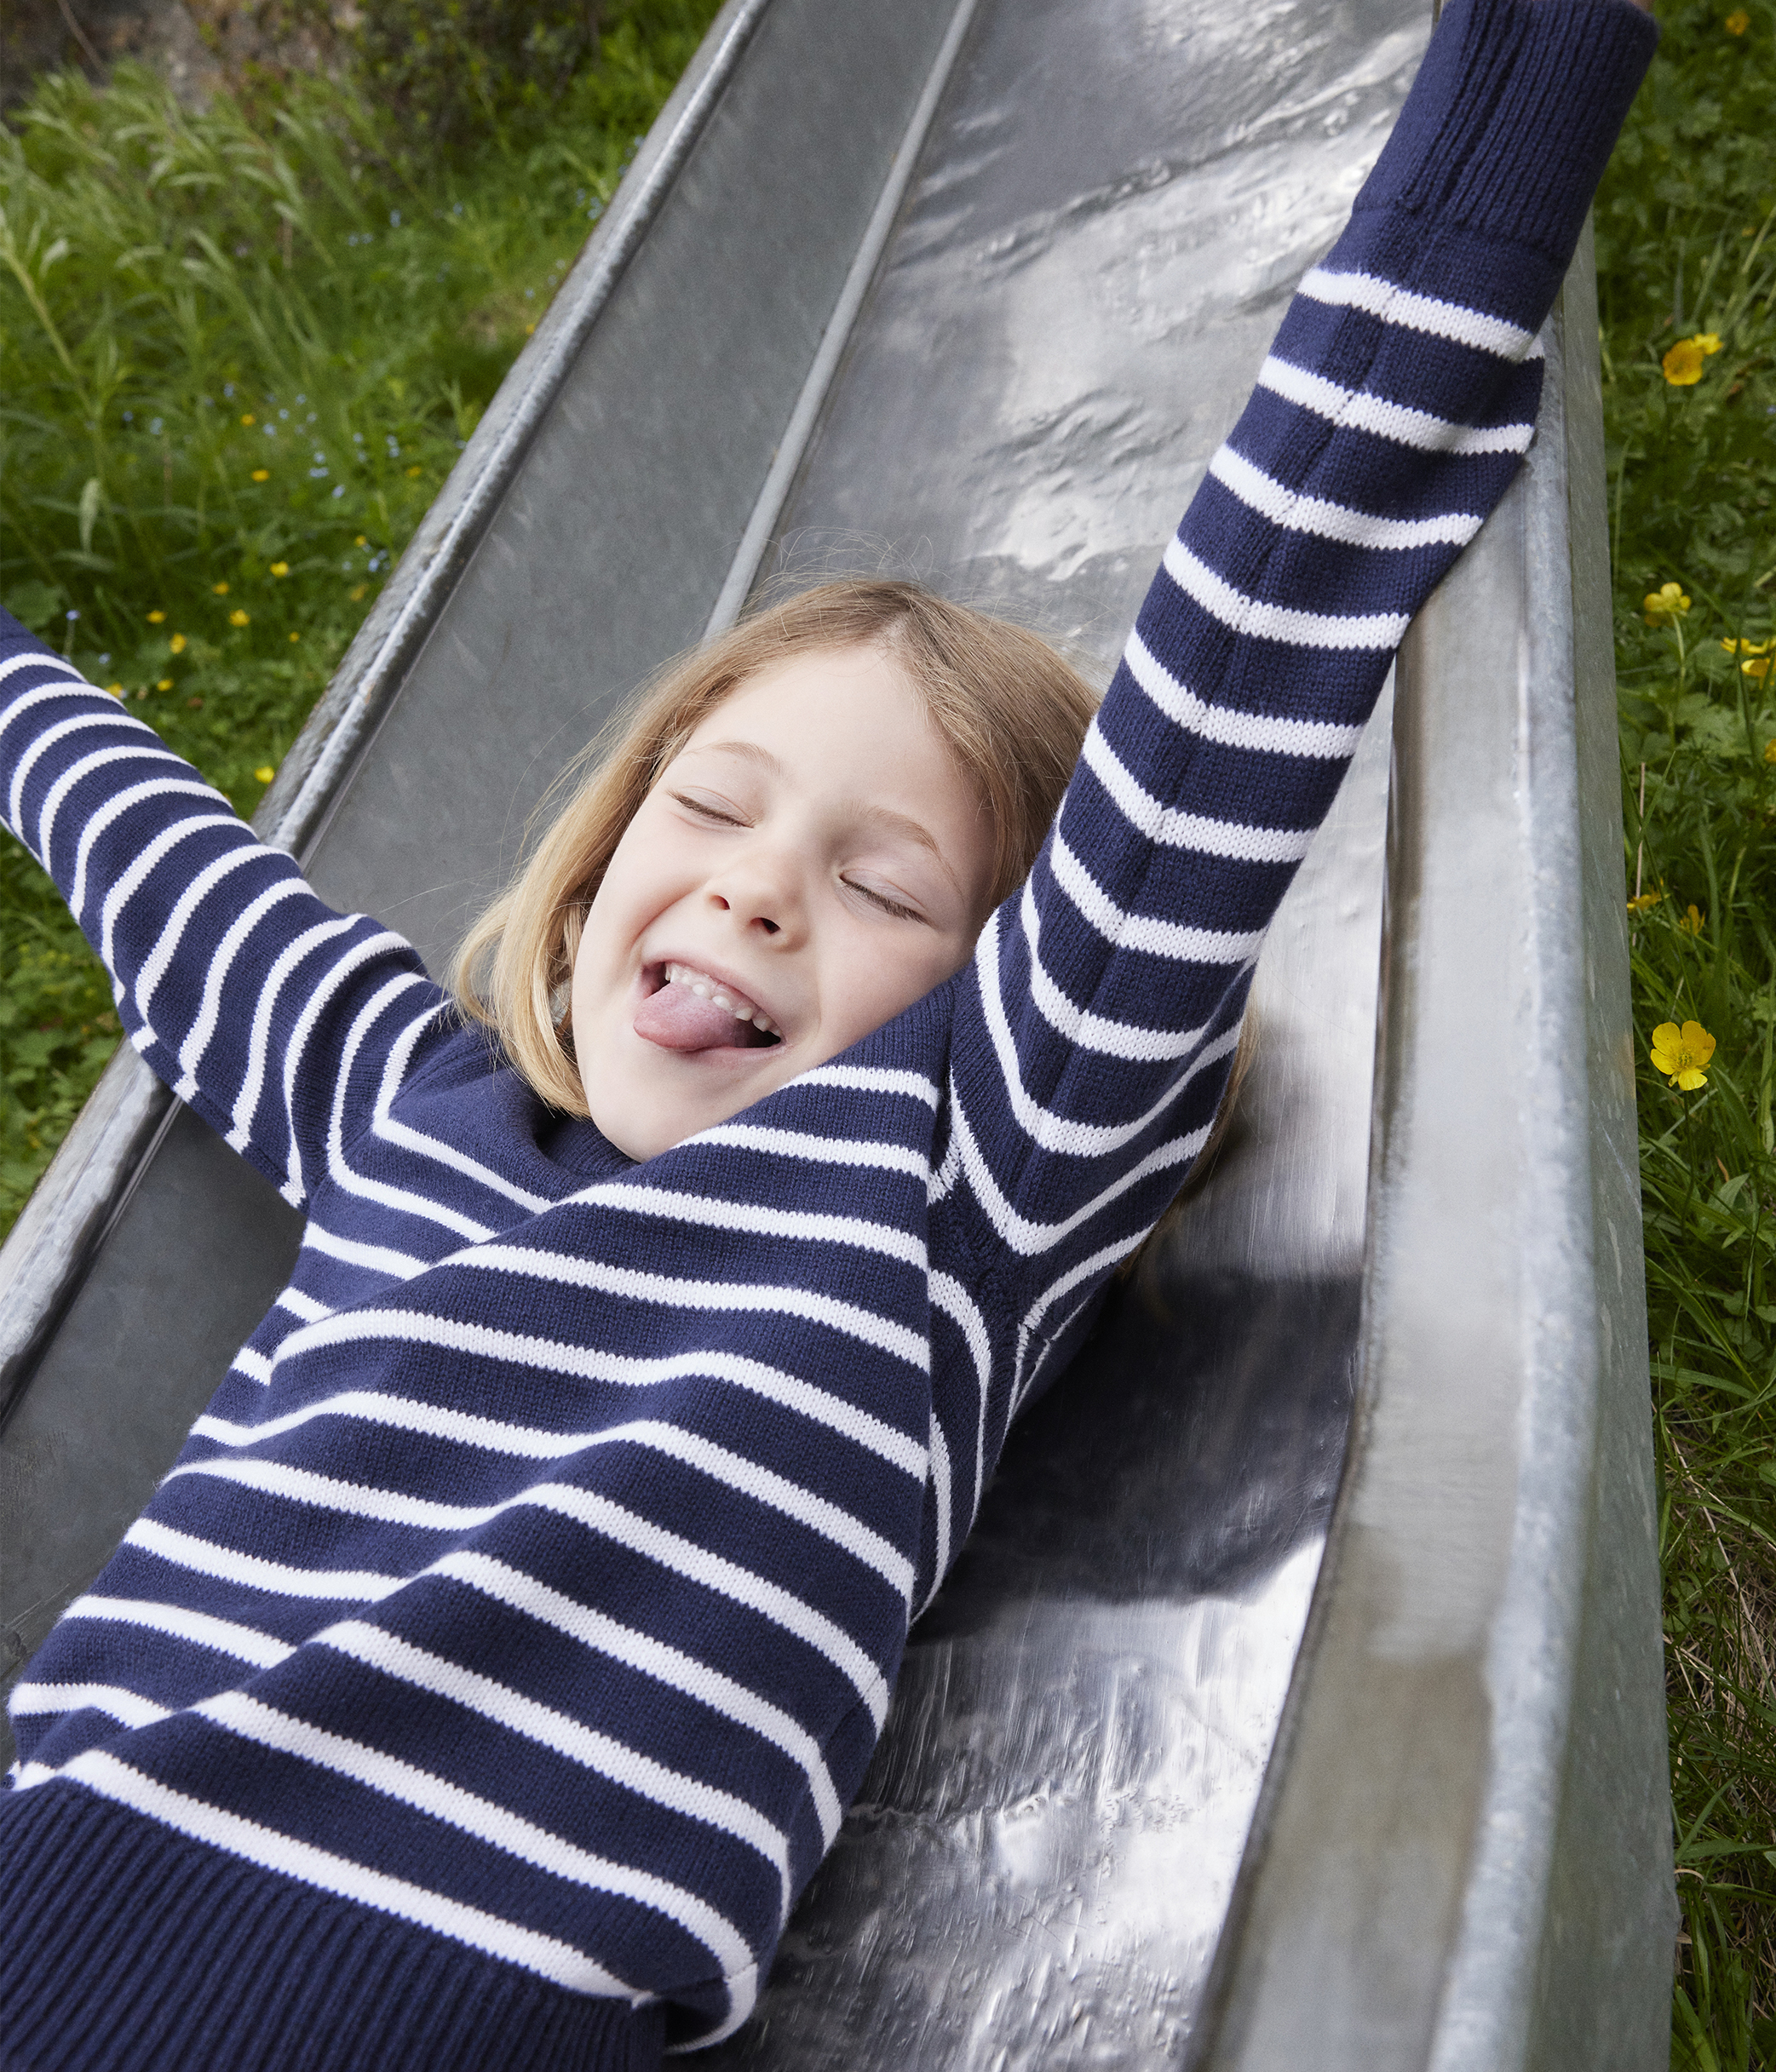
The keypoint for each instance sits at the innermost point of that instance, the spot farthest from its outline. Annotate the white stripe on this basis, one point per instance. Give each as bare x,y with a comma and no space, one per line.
1084,1270
247,1839
197,1037
404,1200
716,1212
119,804
27,1700
945,1524
67,673
201,1627
949,1296
1417,312
870,1079
567,1738
303,1306
1382,631
255,1366
653,1658
469,1813
376,946
1123,931
392,1131
725,1578
1355,411
1049,1131
106,716
591,1364
1296,513
736,1297
1254,731
246,1102
373,1258
803,1143
1032,1239
125,887
229,1565
599,1514
1173,829
1085,1030
148,978
734,1470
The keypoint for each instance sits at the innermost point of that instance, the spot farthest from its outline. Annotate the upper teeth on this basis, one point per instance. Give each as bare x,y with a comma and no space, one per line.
720,995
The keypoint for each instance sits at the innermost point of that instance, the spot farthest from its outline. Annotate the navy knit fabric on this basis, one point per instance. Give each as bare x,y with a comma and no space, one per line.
495,1665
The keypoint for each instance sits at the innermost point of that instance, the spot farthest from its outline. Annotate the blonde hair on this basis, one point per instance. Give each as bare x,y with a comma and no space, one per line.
1012,710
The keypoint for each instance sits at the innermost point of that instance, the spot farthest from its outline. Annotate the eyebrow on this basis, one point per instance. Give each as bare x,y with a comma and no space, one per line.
883,816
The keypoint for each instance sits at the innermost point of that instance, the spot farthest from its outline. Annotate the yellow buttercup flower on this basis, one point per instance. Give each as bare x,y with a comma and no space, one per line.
1770,751
238,617
280,568
1738,22
1665,605
356,592
177,644
1748,647
1644,902
249,418
261,475
296,636
1760,668
164,684
1683,365
157,618
264,774
1691,921
1681,1054
219,588
416,471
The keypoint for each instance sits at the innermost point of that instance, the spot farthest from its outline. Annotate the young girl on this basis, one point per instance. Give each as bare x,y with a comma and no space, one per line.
491,1672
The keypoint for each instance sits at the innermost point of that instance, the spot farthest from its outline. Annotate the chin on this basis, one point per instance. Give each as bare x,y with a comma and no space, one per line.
643,1118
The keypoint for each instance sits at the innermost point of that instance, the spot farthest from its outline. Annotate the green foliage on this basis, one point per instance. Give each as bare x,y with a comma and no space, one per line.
239,350
453,70
1687,246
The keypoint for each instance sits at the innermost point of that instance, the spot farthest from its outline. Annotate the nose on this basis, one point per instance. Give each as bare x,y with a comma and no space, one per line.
761,893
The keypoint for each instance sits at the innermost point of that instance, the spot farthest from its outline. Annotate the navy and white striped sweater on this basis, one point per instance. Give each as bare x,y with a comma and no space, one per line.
495,1665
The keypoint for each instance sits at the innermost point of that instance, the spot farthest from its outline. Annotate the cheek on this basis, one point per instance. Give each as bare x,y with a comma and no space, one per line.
875,985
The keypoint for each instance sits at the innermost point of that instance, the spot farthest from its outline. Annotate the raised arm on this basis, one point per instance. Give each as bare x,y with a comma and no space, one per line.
1096,1024
278,1020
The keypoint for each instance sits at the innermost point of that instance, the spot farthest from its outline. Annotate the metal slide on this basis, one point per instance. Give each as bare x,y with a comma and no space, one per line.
975,291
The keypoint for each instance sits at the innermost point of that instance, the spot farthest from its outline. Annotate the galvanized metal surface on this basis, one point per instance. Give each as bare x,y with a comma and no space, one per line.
1109,208
1473,1764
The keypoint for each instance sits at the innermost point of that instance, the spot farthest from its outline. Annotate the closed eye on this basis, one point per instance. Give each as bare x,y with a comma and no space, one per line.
887,904
717,811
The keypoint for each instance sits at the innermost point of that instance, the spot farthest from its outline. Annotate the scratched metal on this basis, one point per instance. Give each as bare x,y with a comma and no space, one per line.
1114,205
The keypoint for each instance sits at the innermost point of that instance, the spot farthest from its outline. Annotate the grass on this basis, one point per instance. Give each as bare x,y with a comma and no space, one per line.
239,349
1687,248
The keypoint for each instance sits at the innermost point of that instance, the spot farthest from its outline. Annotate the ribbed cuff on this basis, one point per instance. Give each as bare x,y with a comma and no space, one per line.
125,1948
1513,116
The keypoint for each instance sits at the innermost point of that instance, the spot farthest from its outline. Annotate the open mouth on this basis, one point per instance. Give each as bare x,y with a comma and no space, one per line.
686,1010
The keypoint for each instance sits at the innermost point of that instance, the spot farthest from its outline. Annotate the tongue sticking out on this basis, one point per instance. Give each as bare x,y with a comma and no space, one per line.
676,1019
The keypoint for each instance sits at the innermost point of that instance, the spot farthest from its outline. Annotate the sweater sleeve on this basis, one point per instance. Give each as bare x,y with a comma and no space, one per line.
1095,1026
277,1019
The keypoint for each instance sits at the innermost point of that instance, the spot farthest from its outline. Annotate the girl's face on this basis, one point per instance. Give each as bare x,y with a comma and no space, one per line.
813,862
